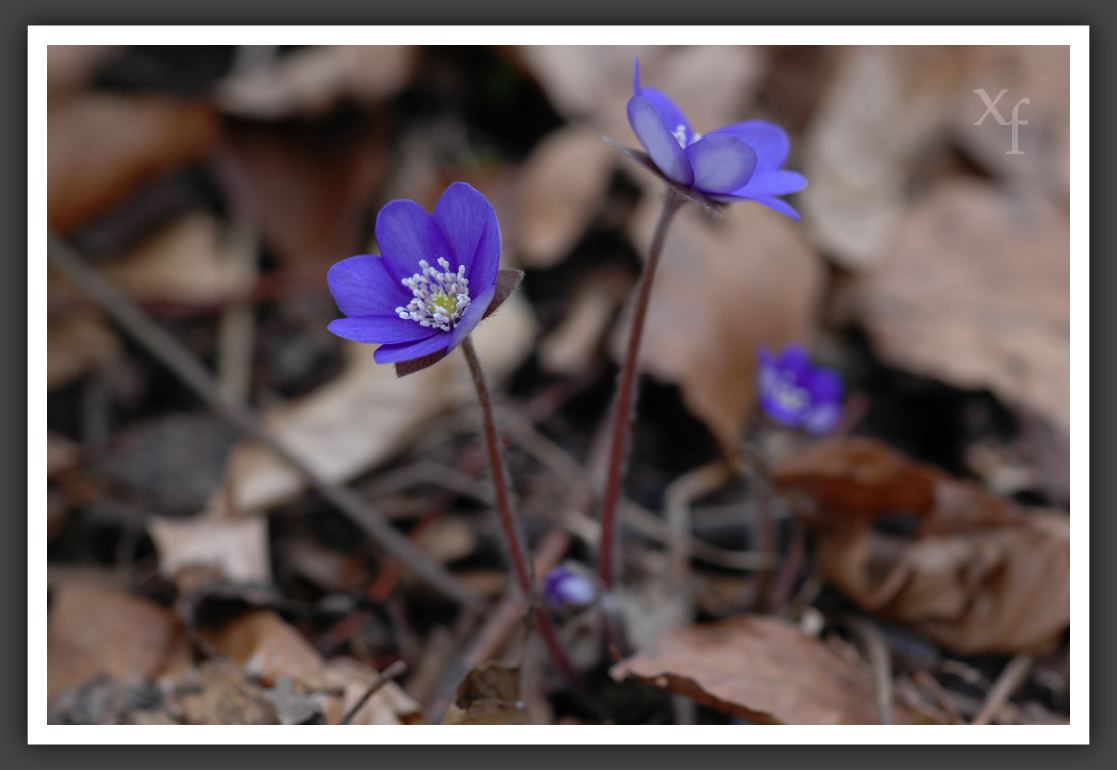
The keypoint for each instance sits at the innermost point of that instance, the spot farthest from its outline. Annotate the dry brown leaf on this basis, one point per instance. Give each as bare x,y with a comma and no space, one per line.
489,695
885,106
102,147
268,648
95,630
1004,589
236,548
222,696
78,343
312,81
762,669
977,294
368,414
724,289
562,186
389,705
860,477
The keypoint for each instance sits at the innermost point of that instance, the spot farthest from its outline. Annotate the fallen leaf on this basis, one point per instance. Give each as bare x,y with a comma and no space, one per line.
977,294
562,186
367,414
269,649
579,337
236,548
762,669
102,147
885,106
489,695
724,289
311,81
221,695
1001,590
389,705
95,630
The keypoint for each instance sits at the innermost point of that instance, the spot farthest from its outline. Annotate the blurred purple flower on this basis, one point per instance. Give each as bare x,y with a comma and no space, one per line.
796,393
567,589
432,283
737,162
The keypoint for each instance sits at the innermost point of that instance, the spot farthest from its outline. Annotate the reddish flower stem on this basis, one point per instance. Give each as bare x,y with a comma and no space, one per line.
514,542
626,397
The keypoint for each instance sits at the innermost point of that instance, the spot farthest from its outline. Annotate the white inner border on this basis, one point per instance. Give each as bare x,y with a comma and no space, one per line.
39,37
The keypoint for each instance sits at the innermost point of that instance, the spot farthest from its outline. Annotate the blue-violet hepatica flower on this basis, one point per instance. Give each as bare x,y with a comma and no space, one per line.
567,589
436,277
797,393
741,161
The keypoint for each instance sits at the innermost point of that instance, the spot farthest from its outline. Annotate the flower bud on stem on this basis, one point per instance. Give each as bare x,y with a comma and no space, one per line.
514,542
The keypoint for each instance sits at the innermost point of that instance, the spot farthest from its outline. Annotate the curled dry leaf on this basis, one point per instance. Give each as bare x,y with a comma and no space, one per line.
1004,589
562,187
236,548
977,576
762,669
489,695
724,289
977,294
368,414
857,157
102,147
312,81
96,630
389,705
268,648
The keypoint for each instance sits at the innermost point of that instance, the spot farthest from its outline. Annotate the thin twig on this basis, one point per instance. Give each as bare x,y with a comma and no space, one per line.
1007,683
186,367
517,551
880,659
626,396
385,676
678,496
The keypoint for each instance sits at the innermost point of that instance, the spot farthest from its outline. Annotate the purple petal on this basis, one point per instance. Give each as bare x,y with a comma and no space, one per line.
406,351
776,204
472,315
407,233
822,418
825,386
380,329
658,140
795,358
721,163
469,223
667,110
362,286
769,184
769,140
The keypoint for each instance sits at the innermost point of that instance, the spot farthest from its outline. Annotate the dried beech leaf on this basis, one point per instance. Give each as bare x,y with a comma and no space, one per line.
860,477
489,695
368,414
268,648
96,630
102,147
562,187
762,669
236,548
724,289
977,294
312,81
857,160
1002,589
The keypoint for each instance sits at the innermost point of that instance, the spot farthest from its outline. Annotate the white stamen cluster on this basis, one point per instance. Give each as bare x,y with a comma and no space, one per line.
440,296
681,137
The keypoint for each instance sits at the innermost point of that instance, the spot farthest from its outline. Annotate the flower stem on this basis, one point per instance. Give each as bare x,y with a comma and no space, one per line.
514,542
626,396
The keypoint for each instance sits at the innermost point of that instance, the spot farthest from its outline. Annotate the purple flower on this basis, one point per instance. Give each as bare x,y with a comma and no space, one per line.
796,393
436,277
738,162
567,589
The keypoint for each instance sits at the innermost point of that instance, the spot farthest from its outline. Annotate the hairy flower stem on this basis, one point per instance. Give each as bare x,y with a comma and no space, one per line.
514,543
626,397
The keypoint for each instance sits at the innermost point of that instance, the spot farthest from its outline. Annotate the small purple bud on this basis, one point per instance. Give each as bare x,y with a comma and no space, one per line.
568,589
795,392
